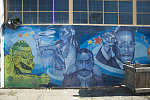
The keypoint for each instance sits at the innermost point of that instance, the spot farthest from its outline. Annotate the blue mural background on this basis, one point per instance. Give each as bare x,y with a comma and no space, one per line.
89,37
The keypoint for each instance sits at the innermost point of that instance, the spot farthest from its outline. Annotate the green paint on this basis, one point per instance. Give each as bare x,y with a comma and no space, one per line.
20,62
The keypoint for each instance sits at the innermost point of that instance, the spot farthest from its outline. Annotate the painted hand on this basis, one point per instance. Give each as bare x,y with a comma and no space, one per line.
108,41
108,38
44,79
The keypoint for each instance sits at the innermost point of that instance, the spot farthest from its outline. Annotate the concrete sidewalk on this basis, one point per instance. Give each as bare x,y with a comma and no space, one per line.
110,93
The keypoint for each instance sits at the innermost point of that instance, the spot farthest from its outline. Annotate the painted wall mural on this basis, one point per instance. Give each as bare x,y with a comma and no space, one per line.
72,56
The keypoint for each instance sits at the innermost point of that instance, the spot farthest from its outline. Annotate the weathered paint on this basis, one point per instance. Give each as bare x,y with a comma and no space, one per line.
72,56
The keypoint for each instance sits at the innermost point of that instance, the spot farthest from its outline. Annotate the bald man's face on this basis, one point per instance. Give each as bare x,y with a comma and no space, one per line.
125,46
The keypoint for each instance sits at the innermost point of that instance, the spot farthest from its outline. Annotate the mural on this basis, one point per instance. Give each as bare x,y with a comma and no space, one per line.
19,65
72,56
84,74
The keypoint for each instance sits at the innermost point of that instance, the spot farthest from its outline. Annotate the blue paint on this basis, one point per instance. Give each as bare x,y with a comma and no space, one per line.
55,47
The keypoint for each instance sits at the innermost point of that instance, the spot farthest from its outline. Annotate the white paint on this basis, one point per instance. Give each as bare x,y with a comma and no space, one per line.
2,61
1,44
1,12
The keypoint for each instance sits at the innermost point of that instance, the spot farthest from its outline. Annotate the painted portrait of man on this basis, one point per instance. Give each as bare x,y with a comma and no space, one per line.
118,48
84,75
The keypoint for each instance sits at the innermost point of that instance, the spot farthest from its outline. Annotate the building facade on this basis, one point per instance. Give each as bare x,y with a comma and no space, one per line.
73,43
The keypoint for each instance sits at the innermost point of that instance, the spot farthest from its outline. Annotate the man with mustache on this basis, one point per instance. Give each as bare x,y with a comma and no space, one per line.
121,42
84,75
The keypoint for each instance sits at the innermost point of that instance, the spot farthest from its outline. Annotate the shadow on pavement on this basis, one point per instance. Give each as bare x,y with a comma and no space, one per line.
108,91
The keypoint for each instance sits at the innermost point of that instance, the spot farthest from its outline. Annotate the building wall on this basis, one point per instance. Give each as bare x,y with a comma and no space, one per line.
1,22
72,56
0,54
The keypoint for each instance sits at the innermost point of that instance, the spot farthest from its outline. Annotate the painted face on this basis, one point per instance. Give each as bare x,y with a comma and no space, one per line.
84,64
23,61
64,34
125,46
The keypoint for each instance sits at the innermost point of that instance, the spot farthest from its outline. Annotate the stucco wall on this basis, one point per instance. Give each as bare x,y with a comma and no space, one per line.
1,22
